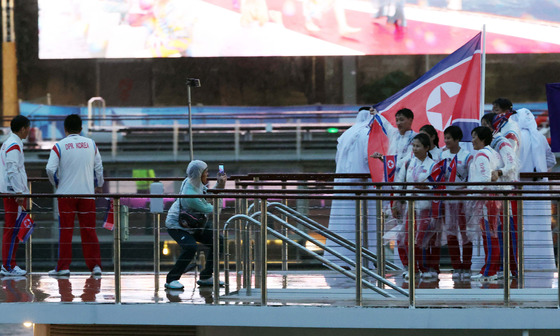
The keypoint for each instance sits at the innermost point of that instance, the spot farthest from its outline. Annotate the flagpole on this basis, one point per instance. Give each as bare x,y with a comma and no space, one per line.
483,71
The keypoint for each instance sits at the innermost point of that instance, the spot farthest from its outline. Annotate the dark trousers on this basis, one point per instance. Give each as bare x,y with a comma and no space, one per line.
188,243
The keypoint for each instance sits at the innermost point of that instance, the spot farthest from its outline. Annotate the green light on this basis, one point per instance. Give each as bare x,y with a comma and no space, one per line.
332,130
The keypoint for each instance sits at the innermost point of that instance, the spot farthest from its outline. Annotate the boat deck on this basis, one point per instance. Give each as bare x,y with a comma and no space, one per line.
302,287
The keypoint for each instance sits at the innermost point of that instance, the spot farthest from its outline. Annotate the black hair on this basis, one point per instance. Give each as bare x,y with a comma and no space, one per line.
407,113
489,118
425,141
364,108
484,134
18,123
431,132
73,124
504,104
455,132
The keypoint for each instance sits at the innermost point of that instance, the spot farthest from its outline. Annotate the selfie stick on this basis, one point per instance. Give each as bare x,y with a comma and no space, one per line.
196,83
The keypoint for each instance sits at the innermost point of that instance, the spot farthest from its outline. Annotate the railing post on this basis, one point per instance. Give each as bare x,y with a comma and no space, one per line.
258,245
506,259
298,139
236,141
558,244
216,247
365,233
284,233
358,227
114,140
411,256
117,248
29,243
520,244
157,260
176,140
264,254
238,225
380,249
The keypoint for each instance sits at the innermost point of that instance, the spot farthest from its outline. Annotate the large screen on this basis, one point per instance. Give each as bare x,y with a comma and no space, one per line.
221,28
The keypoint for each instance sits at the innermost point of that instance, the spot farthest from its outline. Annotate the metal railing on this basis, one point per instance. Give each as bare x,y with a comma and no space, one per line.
265,195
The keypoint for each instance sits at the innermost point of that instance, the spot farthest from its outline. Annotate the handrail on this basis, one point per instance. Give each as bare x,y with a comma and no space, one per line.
329,234
330,176
313,254
329,194
324,247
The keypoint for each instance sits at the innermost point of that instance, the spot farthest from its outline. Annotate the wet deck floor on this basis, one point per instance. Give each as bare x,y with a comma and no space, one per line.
322,288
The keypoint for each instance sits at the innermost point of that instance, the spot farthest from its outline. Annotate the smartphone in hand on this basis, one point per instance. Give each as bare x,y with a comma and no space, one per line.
221,170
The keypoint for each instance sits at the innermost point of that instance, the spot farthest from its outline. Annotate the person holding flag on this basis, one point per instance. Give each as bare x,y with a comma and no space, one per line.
508,171
416,169
504,120
485,213
13,180
455,221
351,158
399,138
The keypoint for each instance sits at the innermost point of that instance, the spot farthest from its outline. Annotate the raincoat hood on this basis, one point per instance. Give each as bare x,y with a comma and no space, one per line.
194,173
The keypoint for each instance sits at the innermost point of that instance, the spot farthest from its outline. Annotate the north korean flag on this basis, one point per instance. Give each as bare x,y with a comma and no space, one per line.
438,175
452,168
25,225
390,165
448,94
377,142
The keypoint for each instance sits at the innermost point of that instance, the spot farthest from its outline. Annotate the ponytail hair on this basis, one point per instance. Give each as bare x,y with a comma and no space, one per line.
431,131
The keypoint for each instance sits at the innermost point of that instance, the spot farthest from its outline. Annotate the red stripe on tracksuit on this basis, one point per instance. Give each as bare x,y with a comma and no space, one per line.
512,220
10,241
489,227
13,147
85,208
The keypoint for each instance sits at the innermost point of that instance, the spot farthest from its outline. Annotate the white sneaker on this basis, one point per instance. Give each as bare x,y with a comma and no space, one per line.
174,285
96,270
481,277
418,275
456,274
54,272
209,282
427,275
16,271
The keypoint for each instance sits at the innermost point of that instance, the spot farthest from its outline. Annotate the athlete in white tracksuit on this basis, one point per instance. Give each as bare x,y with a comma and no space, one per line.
455,222
13,180
485,213
508,171
418,169
75,167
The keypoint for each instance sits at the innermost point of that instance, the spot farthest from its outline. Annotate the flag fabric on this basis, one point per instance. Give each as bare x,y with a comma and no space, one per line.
110,217
377,142
25,225
500,121
390,167
438,175
452,169
553,99
448,94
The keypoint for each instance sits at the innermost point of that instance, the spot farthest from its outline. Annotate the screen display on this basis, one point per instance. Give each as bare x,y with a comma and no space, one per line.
70,29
